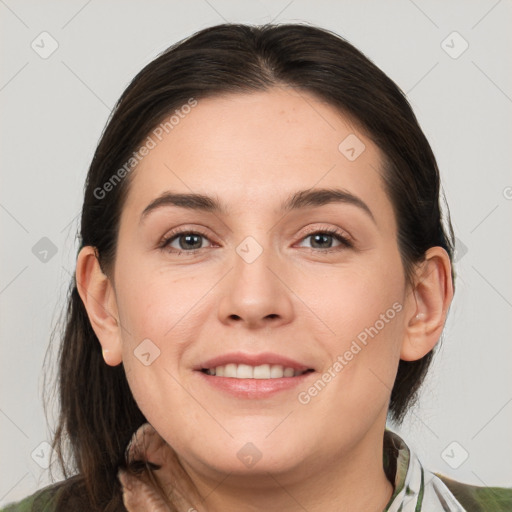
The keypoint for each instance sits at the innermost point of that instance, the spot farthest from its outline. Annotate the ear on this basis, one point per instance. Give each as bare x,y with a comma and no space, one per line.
99,299
431,297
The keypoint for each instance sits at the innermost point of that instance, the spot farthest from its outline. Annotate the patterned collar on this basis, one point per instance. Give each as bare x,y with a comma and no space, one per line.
416,489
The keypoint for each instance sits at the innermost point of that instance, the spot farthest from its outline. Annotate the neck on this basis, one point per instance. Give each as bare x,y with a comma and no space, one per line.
352,480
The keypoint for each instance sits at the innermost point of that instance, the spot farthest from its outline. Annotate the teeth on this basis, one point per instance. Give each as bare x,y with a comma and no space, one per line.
245,371
261,372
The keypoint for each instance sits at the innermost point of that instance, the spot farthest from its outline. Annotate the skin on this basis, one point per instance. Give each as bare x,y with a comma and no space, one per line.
252,151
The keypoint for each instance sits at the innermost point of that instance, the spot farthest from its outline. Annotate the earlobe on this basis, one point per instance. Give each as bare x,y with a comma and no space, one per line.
431,297
98,296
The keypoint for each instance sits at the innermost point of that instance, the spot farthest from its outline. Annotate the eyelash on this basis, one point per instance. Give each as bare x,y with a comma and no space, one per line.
346,243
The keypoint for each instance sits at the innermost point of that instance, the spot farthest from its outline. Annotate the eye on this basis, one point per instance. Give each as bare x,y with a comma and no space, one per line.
192,241
323,239
183,241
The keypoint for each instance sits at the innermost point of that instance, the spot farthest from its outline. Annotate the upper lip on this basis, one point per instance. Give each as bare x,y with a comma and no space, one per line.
252,360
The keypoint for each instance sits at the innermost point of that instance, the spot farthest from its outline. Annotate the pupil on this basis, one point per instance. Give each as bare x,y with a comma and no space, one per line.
320,236
188,239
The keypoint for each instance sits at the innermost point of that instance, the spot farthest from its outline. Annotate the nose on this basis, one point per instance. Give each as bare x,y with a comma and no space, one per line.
255,293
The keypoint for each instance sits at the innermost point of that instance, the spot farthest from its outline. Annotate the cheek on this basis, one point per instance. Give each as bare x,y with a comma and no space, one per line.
157,303
159,313
362,312
351,301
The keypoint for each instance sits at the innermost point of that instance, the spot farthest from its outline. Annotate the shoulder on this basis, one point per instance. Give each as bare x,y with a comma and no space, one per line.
52,498
479,499
40,501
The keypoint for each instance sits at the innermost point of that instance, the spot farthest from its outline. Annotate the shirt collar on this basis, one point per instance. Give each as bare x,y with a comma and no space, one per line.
416,489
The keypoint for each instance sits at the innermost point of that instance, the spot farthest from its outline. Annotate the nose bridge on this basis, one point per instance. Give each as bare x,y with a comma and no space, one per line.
254,293
252,264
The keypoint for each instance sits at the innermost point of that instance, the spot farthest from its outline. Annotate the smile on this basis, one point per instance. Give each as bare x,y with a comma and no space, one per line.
245,371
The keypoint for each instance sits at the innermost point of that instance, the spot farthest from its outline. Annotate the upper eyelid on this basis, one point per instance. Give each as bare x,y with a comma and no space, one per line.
330,230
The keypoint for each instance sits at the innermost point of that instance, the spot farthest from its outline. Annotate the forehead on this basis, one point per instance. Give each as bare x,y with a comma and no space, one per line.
252,150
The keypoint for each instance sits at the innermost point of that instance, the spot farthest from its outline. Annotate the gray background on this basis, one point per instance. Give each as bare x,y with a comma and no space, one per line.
53,110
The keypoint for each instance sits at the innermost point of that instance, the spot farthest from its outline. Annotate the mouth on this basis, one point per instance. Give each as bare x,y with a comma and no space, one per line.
246,371
254,376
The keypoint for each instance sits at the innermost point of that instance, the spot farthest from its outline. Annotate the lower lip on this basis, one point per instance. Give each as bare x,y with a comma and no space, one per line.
254,388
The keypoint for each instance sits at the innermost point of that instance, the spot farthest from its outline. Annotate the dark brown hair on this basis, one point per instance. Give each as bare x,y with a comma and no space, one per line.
97,411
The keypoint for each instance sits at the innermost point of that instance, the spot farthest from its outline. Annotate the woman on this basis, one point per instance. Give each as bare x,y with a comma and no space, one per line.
262,279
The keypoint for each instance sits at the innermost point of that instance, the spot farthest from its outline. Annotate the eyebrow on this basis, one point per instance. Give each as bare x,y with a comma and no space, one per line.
299,200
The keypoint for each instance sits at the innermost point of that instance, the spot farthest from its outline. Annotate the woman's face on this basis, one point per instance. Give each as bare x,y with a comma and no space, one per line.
266,282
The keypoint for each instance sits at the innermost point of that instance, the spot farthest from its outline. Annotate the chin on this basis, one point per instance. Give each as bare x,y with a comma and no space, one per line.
247,454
